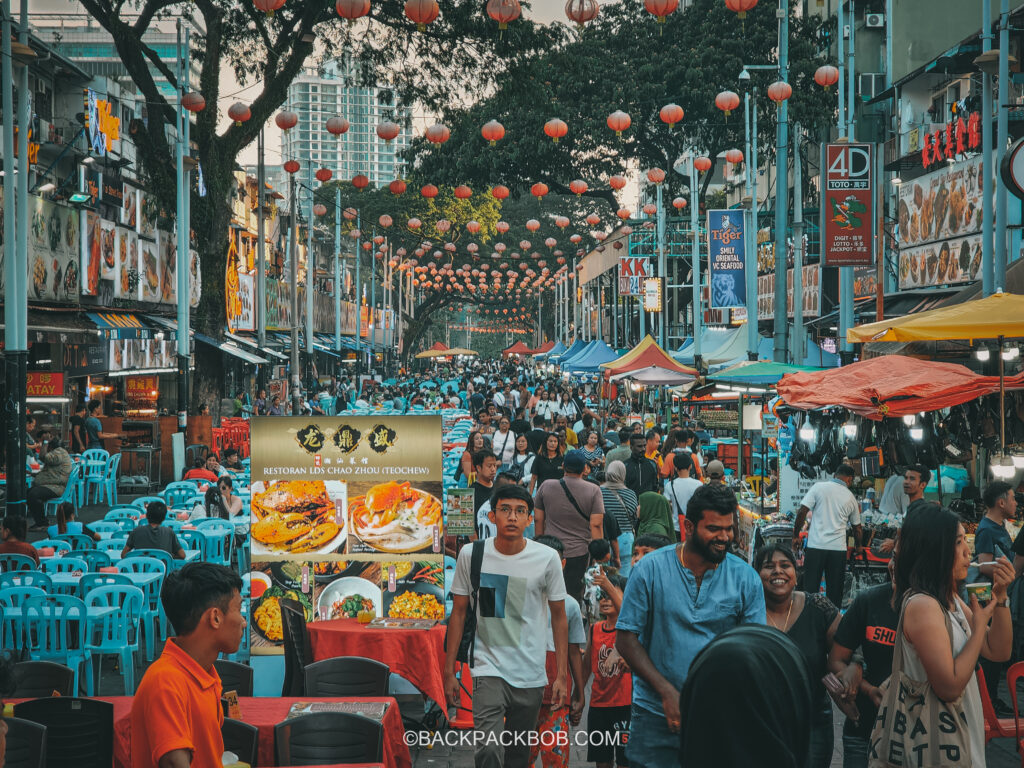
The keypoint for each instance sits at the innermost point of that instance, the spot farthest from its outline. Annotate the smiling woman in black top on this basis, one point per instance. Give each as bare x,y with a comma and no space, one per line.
548,464
810,621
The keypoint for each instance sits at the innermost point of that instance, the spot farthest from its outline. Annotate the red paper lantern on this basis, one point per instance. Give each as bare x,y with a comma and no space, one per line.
578,187
472,227
671,114
462,192
351,10
533,225
337,125
502,227
320,209
397,187
388,131
443,225
555,129
499,192
619,121
286,120
550,242
414,223
503,11
268,6
623,213
581,11
561,222
661,8
826,76
779,91
239,112
727,101
539,189
655,175
702,164
679,203
350,214
385,220
422,12
593,219
438,133
360,182
650,209
428,191
734,156
740,7
193,101
291,166
493,131
575,238
323,175
617,181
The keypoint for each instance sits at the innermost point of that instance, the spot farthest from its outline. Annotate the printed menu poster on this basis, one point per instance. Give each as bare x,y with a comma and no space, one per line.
347,520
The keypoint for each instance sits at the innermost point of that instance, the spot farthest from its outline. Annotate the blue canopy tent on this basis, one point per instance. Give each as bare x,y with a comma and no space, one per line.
555,351
762,373
577,346
712,338
566,361
590,362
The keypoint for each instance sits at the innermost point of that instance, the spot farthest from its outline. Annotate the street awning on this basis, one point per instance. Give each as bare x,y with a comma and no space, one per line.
646,354
58,324
757,373
247,342
654,375
1001,314
230,348
122,325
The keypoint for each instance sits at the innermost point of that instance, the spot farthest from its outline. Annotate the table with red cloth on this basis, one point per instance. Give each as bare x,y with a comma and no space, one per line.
265,713
415,654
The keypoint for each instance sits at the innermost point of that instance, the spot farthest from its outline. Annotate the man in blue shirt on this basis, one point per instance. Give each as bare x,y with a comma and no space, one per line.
677,600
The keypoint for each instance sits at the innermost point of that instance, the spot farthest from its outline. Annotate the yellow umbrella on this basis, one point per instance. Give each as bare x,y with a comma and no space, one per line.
461,351
435,353
999,315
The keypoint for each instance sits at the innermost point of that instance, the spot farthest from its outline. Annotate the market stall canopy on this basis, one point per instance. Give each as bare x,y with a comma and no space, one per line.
731,347
710,339
814,355
577,346
1001,314
757,373
565,361
439,346
590,361
429,353
889,386
517,349
544,348
462,351
645,355
655,375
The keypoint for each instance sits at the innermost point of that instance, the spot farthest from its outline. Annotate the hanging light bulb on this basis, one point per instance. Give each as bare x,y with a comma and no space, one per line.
850,429
909,419
917,433
1011,353
806,432
1002,467
983,354
1018,460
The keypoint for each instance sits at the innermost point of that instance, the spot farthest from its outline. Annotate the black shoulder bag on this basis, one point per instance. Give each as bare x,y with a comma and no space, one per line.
467,642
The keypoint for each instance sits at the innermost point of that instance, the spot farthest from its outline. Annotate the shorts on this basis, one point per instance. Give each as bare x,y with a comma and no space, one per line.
651,743
608,720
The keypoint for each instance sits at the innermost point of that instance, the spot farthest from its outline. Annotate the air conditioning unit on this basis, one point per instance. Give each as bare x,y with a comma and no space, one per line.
874,20
870,85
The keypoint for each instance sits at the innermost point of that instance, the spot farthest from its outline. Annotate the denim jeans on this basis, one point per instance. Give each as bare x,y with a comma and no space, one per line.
822,736
855,751
651,744
625,552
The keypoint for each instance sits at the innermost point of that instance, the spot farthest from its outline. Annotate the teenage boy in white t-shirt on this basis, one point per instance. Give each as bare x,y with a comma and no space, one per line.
520,580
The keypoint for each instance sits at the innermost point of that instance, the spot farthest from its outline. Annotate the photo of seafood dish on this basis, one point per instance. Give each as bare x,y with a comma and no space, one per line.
297,516
92,274
395,517
344,598
266,611
55,229
904,221
150,274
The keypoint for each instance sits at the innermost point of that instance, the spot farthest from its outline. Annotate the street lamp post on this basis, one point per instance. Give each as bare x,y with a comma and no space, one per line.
359,306
1002,139
987,273
261,252
181,181
799,350
293,269
781,188
695,255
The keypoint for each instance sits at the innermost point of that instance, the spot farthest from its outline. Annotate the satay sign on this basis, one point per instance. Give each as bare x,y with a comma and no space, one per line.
848,208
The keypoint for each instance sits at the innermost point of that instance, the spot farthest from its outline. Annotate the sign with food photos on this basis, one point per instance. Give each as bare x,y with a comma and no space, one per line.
347,520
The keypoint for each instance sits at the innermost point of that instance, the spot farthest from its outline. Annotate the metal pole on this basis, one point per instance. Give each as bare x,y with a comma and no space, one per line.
987,271
615,310
846,273
781,189
337,270
261,249
1002,139
750,238
695,255
798,347
841,56
310,277
662,271
293,262
359,305
182,235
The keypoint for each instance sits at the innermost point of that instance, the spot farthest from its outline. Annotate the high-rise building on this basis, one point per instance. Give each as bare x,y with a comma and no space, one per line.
318,96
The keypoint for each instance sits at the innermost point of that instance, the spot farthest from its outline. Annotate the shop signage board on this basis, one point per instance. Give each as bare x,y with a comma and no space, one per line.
633,271
53,251
141,354
652,294
84,359
141,387
865,282
939,221
101,126
848,209
45,384
347,517
726,259
811,292
769,426
460,520
953,140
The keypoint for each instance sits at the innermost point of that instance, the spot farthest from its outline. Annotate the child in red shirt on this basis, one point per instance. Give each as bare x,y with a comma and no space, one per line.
612,690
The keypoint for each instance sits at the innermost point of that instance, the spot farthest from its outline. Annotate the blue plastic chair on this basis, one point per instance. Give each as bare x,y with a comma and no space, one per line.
94,465
55,630
242,654
106,526
96,558
71,493
153,613
174,525
13,630
13,562
92,580
191,539
113,546
219,535
26,579
117,632
109,487
65,565
57,545
124,512
143,501
79,541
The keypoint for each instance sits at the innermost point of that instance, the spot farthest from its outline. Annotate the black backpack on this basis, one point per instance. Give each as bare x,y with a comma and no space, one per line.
468,641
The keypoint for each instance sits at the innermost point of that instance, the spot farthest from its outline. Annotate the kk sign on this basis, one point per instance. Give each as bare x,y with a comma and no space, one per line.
633,271
726,259
102,127
848,208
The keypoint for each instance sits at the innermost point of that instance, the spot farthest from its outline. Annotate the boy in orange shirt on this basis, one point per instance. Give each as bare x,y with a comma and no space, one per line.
176,715
612,691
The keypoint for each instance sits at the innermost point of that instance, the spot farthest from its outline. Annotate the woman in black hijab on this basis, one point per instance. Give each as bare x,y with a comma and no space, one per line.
750,680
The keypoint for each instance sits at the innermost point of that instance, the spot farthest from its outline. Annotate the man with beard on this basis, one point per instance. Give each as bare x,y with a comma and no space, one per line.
677,600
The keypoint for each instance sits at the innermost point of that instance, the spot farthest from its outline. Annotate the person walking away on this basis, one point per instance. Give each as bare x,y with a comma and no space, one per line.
519,578
681,488
176,715
66,523
621,503
715,472
869,624
641,472
50,483
677,600
485,468
536,436
834,508
78,435
154,535
810,621
612,690
941,638
550,721
620,452
572,510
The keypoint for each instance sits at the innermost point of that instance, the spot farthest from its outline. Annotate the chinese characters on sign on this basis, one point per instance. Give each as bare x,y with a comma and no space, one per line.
956,139
847,209
726,257
45,385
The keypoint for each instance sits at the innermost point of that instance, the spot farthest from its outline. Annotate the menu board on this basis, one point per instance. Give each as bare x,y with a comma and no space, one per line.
939,218
53,251
141,354
346,519
126,286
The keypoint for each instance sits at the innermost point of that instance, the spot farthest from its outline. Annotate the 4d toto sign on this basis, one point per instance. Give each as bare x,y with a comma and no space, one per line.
848,206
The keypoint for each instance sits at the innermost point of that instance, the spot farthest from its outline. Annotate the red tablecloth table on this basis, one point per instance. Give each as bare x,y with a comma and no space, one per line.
415,654
265,713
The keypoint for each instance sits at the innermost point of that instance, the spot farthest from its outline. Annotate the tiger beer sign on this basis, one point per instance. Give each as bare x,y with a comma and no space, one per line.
633,274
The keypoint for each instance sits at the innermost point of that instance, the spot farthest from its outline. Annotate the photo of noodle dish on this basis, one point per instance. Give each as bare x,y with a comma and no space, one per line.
395,517
297,516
